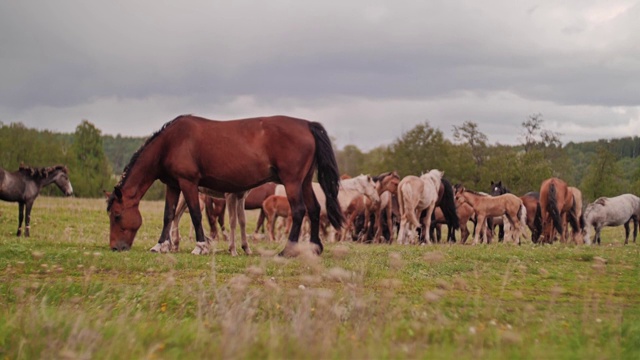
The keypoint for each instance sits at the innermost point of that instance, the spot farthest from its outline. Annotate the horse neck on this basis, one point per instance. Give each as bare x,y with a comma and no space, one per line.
140,177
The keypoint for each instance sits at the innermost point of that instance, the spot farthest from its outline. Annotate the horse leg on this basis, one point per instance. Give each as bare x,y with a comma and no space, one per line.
480,226
174,243
635,228
626,232
260,222
209,207
313,212
20,217
232,201
427,224
243,223
27,217
296,202
192,198
171,200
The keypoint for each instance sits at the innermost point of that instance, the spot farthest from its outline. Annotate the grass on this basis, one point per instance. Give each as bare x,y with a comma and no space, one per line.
64,294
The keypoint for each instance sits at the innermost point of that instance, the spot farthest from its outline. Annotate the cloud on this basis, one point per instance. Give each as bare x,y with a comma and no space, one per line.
371,70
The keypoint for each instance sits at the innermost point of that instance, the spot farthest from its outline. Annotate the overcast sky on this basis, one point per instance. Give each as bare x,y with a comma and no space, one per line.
368,70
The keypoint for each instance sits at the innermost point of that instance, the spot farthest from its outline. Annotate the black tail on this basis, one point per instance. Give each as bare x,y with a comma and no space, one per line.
328,174
448,206
537,225
552,208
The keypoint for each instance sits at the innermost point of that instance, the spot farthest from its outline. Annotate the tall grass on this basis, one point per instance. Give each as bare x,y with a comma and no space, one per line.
65,295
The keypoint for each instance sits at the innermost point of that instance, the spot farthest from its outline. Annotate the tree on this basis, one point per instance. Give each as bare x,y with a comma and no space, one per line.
604,176
536,136
90,172
417,151
469,134
350,160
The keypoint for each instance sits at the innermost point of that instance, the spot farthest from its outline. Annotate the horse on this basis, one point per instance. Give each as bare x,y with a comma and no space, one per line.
615,211
579,214
362,208
447,205
23,186
214,209
274,206
414,195
231,157
531,201
254,200
464,214
359,186
556,202
486,206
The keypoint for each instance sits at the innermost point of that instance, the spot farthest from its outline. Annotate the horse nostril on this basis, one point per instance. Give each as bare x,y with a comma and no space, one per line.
114,249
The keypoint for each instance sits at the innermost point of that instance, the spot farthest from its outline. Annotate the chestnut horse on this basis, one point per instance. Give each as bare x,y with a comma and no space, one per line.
23,186
275,206
531,201
556,202
486,206
231,157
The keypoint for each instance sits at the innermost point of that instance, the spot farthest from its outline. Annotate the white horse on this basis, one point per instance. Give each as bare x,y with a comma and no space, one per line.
414,195
613,211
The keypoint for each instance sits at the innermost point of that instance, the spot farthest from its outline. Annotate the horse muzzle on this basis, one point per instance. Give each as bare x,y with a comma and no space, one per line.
121,246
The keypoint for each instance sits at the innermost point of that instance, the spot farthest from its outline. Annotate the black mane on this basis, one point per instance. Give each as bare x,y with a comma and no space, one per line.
40,173
134,158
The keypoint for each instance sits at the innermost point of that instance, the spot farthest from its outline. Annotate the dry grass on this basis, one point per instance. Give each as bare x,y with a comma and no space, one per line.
65,295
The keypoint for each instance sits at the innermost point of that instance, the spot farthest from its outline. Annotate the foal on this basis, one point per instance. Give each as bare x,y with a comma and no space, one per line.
486,206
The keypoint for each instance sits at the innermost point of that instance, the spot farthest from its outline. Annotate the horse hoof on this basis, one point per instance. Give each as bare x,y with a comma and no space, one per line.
247,250
233,252
201,249
155,248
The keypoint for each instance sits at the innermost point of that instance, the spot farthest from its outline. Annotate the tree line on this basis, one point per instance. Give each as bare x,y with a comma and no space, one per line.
598,168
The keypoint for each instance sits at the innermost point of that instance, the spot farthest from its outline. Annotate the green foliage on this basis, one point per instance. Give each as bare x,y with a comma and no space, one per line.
604,176
350,160
91,172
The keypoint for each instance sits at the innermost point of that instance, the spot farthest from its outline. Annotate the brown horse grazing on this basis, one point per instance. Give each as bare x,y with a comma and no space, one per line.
274,206
556,202
214,208
486,206
230,157
23,186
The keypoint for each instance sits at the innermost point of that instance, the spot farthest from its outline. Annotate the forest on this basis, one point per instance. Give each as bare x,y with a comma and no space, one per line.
607,167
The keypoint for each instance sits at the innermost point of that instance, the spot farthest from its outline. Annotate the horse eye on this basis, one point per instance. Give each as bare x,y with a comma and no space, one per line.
117,217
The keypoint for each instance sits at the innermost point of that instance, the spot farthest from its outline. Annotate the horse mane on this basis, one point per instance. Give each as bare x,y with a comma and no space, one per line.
601,201
40,173
134,158
136,155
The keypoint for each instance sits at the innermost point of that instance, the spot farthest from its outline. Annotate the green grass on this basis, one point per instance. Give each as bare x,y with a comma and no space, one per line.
64,294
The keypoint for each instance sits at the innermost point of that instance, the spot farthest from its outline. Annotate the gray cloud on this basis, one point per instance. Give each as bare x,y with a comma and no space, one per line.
369,70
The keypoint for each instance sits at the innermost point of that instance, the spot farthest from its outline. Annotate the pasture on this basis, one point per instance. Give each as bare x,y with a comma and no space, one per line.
64,294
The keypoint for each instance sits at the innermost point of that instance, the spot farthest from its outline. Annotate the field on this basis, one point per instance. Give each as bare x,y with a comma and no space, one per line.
64,294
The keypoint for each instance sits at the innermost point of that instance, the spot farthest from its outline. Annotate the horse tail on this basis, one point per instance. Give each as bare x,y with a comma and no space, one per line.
537,225
328,174
552,208
404,192
448,205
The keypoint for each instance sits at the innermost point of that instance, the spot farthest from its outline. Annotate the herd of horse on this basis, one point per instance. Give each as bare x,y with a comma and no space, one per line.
269,163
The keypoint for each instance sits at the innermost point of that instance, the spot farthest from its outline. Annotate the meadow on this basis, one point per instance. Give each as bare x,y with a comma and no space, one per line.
64,294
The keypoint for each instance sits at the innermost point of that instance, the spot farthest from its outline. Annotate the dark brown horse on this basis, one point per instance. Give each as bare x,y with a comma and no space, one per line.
23,186
556,202
231,157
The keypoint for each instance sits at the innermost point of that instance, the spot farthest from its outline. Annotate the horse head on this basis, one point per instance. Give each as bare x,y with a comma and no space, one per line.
369,188
61,179
498,189
124,220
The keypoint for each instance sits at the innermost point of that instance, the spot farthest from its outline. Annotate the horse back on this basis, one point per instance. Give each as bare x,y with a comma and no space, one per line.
236,155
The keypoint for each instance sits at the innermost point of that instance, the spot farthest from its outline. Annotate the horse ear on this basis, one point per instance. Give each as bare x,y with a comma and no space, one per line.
106,193
492,183
500,183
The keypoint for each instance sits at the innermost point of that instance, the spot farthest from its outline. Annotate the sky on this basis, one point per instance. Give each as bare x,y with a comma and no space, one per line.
368,70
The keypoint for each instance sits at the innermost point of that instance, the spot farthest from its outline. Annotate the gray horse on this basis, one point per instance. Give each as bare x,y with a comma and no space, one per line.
615,211
24,185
